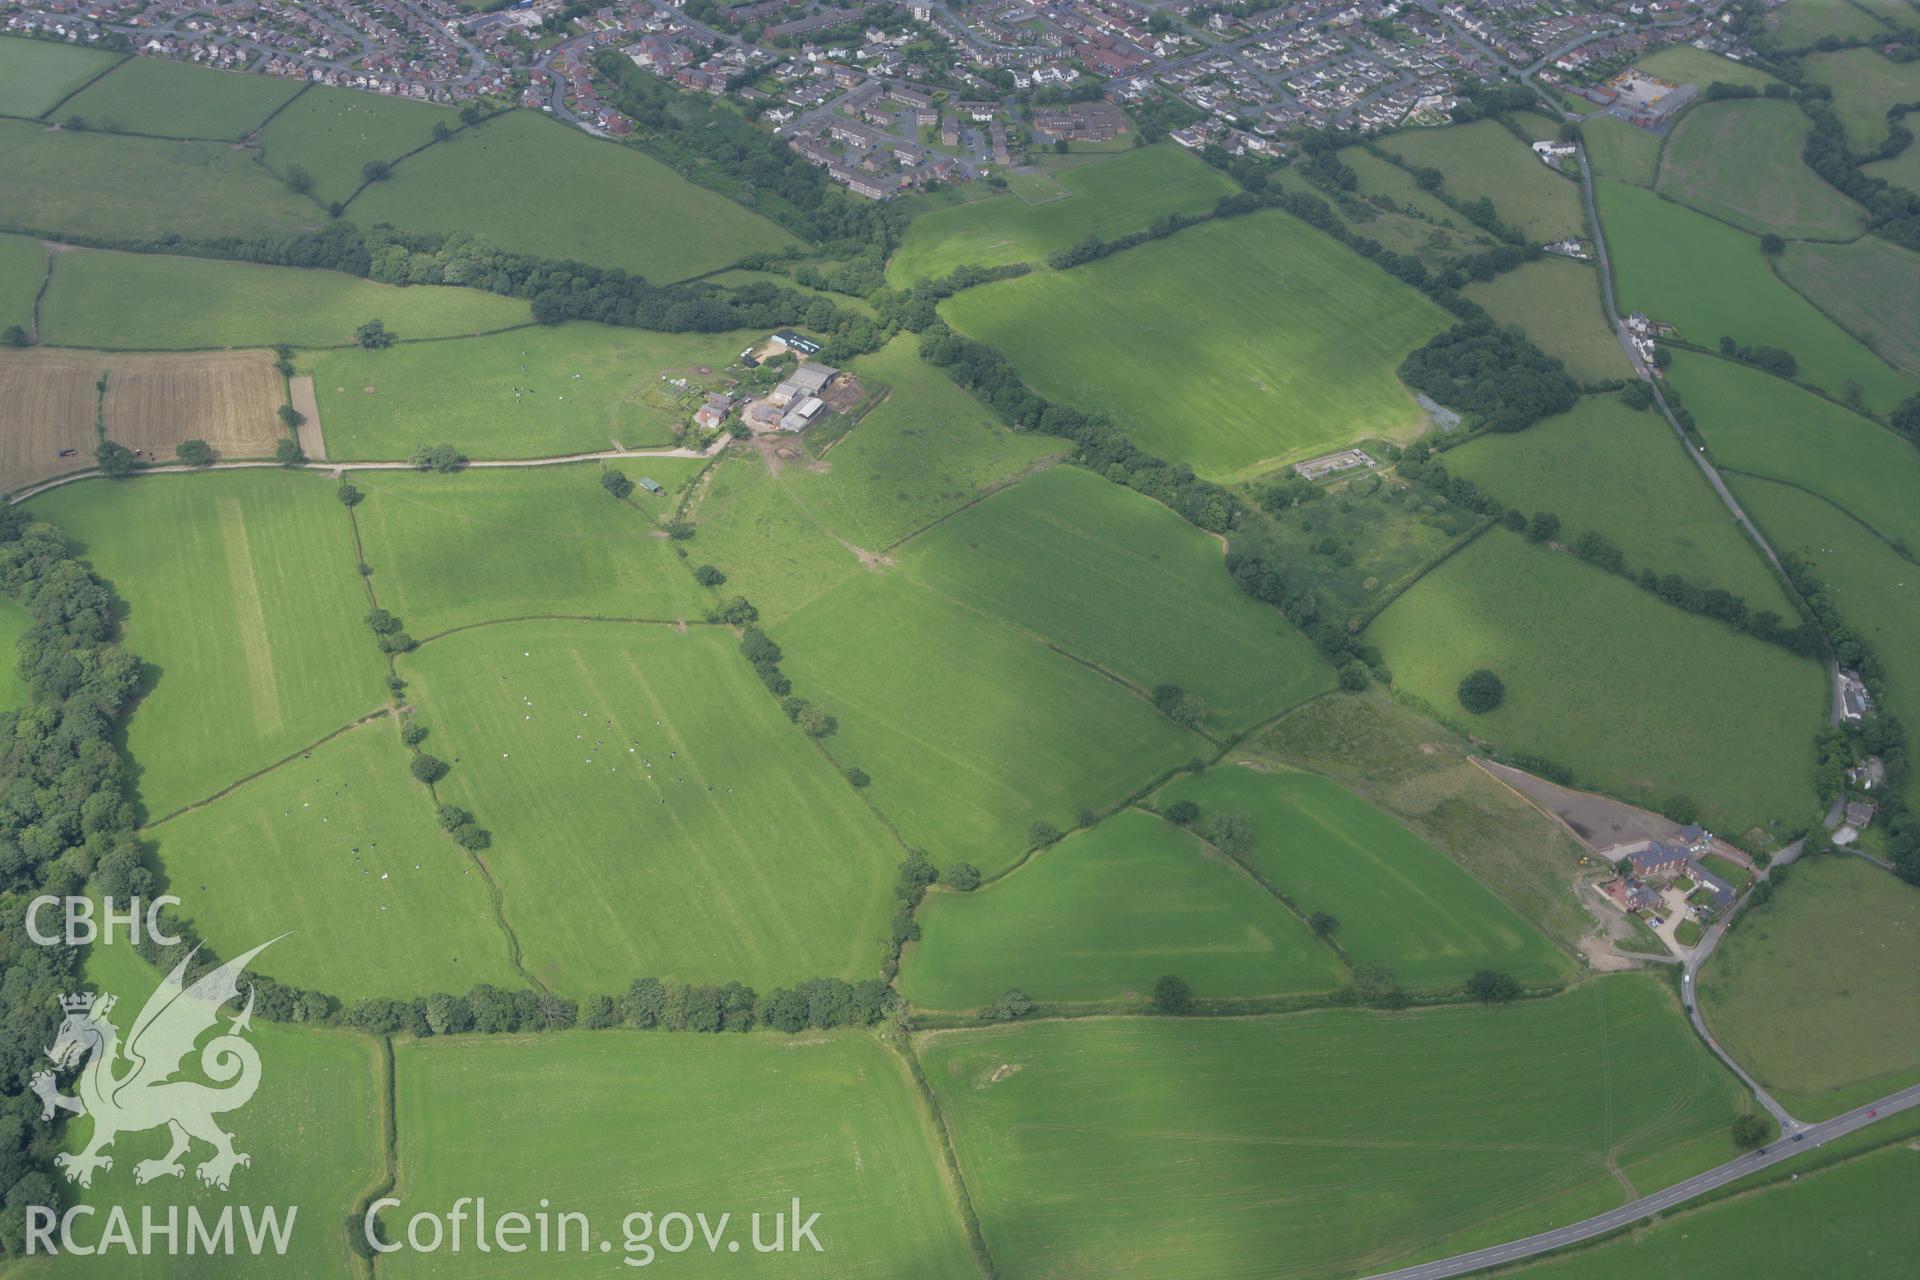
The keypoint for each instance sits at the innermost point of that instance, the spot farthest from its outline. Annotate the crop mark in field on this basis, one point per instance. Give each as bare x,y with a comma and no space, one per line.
256,651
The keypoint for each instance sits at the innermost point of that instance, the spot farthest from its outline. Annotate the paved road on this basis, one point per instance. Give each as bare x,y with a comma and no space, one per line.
1809,1137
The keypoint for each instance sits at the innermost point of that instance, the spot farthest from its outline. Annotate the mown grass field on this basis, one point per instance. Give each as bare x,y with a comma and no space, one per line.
1712,281
1109,198
332,133
1799,23
1607,468
451,551
927,450
1557,301
533,185
338,848
313,1130
23,268
1616,149
71,183
1870,287
1865,83
652,811
242,600
1105,913
1635,696
1851,1220
144,301
1684,64
612,1123
1740,162
1399,901
1755,425
1330,1143
36,74
1483,160
178,100
1876,589
1063,554
1229,346
1807,991
534,392
773,550
970,730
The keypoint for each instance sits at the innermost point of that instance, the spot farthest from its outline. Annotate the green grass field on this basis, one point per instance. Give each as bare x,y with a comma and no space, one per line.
970,730
243,603
1870,287
451,551
1756,425
1399,901
1285,346
1902,171
1483,160
339,849
157,302
1107,199
313,1130
36,74
1330,1143
927,450
1712,281
1740,162
1381,178
717,1124
535,392
1799,23
1557,301
331,133
69,183
533,185
1392,228
1105,913
1654,504
1616,149
653,813
178,100
1805,990
1637,697
1684,64
773,550
1063,554
1865,83
23,269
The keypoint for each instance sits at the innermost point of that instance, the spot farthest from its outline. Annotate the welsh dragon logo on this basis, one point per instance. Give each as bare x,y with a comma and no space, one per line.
129,1087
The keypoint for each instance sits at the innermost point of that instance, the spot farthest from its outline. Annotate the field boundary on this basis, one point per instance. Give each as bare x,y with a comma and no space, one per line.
962,1194
254,132
262,772
74,93
1889,543
388,1094
1773,265
40,295
998,486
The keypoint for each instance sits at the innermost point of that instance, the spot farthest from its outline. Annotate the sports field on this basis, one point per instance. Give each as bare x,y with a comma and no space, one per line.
1740,162
36,74
64,182
1635,696
1330,1143
773,550
1106,913
139,301
48,398
1755,425
1399,901
1654,505
338,848
1616,149
332,133
1711,281
178,100
243,604
230,399
1865,83
928,449
313,1130
1870,287
23,268
970,730
653,813
451,551
1805,991
699,1123
1482,160
1107,199
1557,301
1268,341
533,185
535,392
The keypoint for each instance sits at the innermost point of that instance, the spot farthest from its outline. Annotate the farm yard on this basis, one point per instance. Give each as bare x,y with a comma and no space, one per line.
1740,162
36,75
1287,349
1483,161
1635,696
230,399
173,100
158,302
1335,1142
1557,301
49,400
334,133
1869,287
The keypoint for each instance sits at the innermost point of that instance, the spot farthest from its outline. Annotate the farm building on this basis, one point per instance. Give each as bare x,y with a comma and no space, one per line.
803,413
1855,701
796,342
1631,895
814,378
1655,858
652,486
